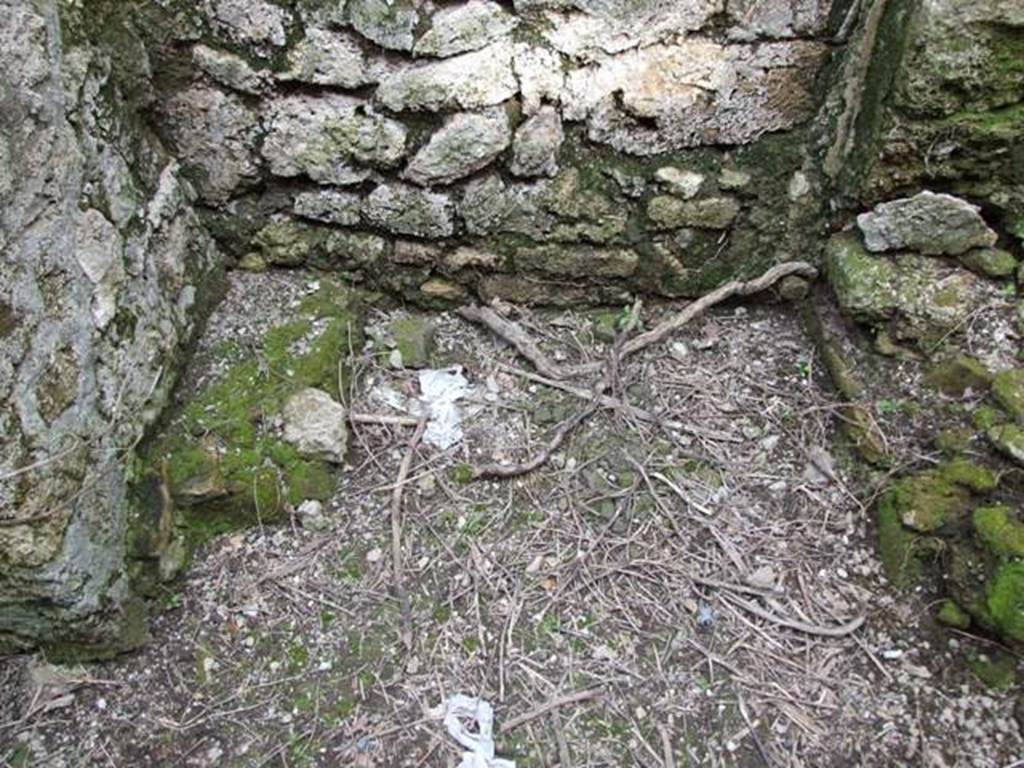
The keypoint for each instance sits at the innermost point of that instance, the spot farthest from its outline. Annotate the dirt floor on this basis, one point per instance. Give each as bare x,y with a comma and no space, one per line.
687,591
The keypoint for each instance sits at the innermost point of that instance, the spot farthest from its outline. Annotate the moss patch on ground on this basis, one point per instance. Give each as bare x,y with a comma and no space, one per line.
223,461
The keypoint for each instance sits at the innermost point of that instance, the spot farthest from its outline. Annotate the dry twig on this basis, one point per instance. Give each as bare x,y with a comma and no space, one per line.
810,629
549,706
504,471
515,336
396,533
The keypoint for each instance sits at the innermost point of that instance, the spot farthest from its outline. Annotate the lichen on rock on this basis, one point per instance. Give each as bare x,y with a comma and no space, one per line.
407,210
929,223
330,139
462,28
915,296
471,80
467,142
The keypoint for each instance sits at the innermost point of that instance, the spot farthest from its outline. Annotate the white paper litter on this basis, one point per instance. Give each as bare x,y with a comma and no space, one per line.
460,710
440,391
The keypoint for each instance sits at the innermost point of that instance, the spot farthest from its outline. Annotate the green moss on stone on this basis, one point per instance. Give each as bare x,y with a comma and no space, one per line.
966,571
896,545
414,340
998,673
969,475
1005,600
987,417
990,262
225,466
999,531
926,501
954,441
952,615
1000,122
954,377
1009,440
1008,390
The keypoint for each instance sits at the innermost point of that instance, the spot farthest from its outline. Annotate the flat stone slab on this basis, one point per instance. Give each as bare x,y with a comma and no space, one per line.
929,223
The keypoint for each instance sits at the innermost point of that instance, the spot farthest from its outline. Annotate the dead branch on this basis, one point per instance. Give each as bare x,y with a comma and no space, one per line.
504,471
667,327
560,701
528,348
515,336
810,629
396,533
377,418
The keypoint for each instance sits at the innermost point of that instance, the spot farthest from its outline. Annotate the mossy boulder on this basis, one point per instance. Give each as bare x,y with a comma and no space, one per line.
926,501
223,459
1008,391
957,375
1009,440
1004,600
913,297
990,262
969,475
999,531
919,508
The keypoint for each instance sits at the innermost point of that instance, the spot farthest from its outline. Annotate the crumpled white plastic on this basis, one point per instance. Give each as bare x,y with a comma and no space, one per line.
457,710
440,391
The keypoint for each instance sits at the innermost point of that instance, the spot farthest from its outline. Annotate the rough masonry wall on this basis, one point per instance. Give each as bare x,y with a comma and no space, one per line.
934,98
103,266
542,150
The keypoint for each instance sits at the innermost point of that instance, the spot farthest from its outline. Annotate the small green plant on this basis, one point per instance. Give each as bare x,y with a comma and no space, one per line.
549,625
298,657
887,407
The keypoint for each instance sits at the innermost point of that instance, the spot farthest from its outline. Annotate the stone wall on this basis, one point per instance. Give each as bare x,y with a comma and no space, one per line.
542,150
104,266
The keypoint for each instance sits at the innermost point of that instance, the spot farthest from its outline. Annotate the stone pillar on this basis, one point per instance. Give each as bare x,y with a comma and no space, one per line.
104,270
